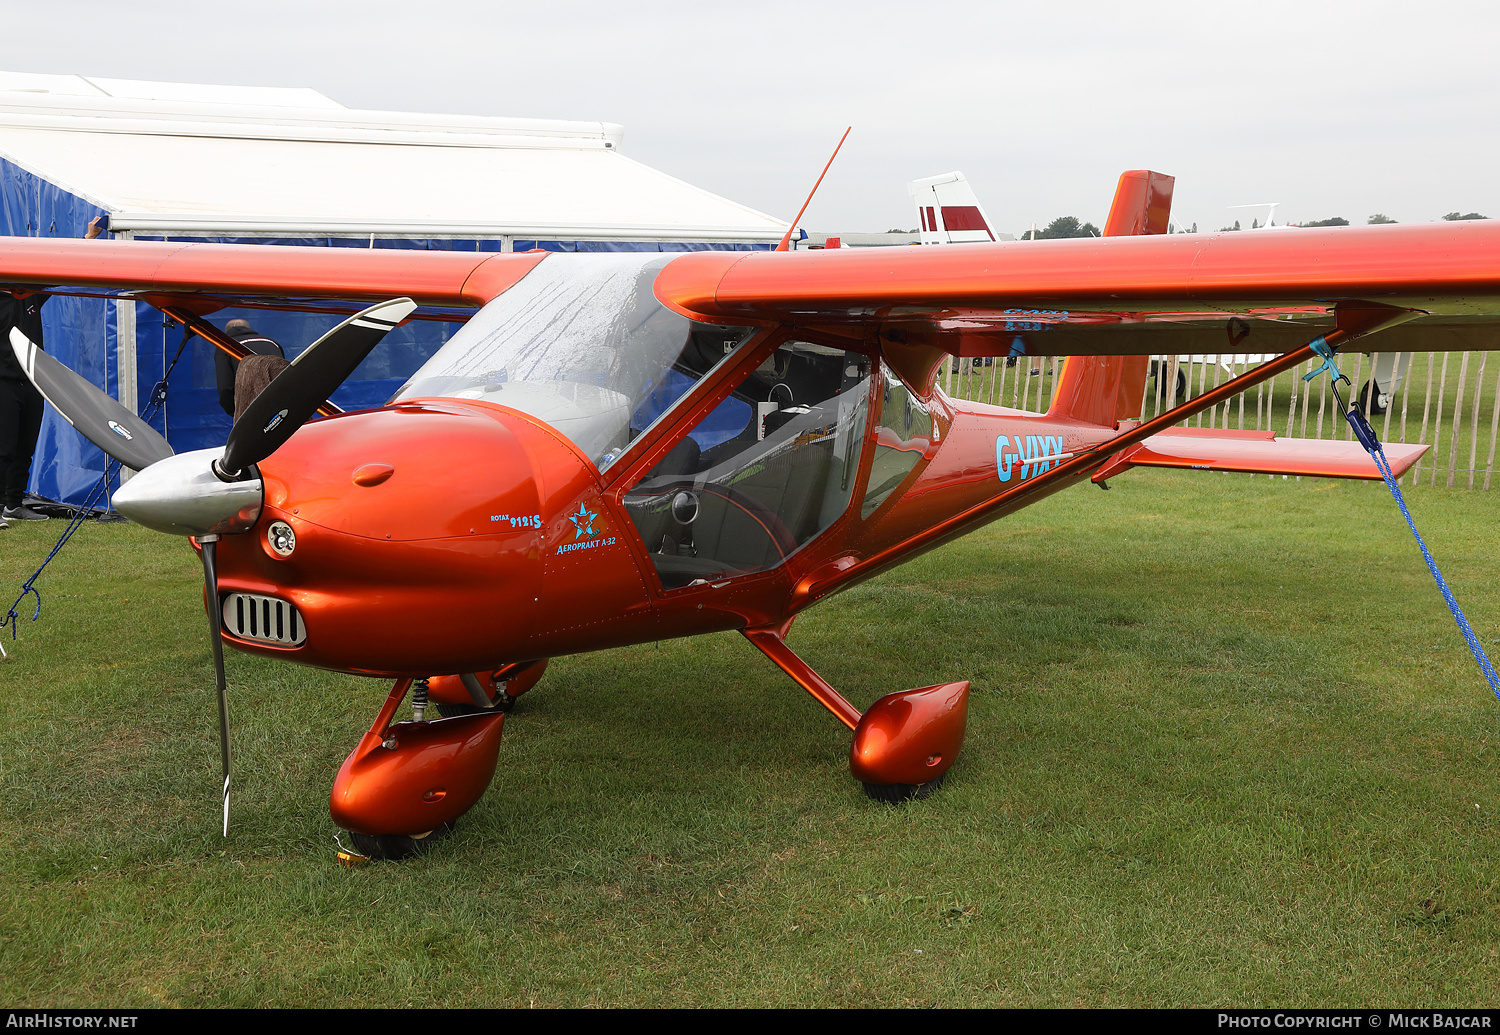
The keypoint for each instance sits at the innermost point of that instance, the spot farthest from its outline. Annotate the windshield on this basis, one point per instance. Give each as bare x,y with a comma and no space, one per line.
582,343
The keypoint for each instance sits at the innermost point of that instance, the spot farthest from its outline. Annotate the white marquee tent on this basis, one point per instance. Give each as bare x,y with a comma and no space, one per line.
292,166
174,159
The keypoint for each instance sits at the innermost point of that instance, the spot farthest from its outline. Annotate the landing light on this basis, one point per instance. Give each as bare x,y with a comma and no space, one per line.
281,538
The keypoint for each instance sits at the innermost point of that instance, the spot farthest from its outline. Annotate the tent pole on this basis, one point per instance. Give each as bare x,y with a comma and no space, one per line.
125,355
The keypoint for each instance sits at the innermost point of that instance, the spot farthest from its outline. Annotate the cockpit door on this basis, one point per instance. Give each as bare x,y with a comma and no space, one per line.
762,474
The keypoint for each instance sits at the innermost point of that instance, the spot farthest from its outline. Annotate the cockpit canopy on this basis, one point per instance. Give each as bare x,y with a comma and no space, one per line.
583,344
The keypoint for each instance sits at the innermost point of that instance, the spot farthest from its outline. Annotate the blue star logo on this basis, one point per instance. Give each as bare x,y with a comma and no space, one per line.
583,522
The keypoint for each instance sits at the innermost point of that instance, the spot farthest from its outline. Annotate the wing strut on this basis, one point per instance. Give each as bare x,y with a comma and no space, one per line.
1354,322
224,343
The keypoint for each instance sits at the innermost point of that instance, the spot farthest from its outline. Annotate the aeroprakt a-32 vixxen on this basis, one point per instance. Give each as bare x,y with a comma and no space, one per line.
618,448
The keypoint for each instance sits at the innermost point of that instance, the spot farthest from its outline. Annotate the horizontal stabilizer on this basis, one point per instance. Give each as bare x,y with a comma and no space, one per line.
1258,452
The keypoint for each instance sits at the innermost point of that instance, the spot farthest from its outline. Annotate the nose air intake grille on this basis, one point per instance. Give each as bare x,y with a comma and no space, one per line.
264,619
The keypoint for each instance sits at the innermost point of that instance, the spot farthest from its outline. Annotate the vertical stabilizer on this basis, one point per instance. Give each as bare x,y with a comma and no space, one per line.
1143,204
1108,389
948,211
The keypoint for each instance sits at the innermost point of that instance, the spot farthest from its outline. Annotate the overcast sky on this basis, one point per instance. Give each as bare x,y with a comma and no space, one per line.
1329,108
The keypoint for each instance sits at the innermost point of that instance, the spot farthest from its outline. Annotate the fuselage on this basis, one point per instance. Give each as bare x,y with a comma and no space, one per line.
581,467
440,535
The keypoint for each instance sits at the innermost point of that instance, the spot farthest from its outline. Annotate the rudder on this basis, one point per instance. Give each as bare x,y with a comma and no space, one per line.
1105,390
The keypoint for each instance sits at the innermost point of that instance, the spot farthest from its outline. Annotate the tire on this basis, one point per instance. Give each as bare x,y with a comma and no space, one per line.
1371,407
896,793
1161,389
397,846
450,711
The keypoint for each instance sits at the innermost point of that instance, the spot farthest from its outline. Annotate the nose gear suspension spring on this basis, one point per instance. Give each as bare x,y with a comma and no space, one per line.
418,700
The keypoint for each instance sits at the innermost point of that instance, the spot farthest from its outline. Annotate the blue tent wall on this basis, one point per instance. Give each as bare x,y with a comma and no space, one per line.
79,332
82,334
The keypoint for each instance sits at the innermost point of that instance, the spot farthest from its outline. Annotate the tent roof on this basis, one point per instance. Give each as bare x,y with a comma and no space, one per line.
183,159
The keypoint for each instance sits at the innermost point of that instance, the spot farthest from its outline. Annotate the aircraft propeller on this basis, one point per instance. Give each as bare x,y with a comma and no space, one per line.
100,419
297,392
209,492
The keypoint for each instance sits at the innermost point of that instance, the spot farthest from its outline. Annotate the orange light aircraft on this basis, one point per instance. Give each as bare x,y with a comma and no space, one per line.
619,448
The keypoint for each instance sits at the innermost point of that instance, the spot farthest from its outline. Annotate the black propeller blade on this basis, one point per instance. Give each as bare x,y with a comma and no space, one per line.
209,544
101,420
301,388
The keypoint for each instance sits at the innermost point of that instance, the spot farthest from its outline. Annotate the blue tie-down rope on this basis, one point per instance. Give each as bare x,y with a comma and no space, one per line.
1367,438
29,586
154,403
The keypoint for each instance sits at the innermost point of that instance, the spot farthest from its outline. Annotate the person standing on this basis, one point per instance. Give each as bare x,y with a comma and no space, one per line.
226,366
20,405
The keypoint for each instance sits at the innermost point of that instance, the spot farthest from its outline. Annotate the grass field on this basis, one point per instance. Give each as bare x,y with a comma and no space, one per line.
1225,747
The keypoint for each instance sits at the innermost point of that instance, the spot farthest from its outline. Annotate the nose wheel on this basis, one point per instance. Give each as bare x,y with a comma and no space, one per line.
397,846
896,793
406,783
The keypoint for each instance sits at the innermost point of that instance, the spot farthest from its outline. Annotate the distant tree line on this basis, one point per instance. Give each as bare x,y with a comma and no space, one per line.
1377,218
1069,226
1061,227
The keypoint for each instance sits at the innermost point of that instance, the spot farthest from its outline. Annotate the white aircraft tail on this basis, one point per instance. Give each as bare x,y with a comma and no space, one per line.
948,210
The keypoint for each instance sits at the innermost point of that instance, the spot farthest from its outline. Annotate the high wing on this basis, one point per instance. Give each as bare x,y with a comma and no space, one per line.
204,277
1423,288
1205,293
1184,293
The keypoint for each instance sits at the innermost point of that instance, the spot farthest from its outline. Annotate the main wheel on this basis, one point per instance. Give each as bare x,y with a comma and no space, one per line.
397,846
449,711
1161,384
1372,407
900,792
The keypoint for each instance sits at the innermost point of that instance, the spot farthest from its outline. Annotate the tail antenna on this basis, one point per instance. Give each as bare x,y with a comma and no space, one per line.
786,240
